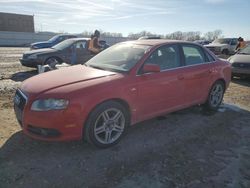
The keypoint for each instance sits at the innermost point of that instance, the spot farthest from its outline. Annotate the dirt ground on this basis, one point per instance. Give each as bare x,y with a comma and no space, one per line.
190,148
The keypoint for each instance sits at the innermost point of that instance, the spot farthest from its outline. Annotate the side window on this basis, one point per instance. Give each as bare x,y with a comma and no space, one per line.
193,55
234,42
60,39
81,45
167,57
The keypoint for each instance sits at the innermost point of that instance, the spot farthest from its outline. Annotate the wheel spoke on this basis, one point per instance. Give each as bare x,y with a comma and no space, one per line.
216,95
100,129
117,128
215,90
105,116
108,136
117,116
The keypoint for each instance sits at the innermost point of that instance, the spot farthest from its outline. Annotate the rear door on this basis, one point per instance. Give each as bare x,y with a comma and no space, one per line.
161,92
232,45
198,73
82,53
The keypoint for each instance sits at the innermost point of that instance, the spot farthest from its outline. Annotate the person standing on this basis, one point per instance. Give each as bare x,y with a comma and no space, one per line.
241,44
94,45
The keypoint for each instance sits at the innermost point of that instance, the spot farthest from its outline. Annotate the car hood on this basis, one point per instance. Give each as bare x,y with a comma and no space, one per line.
43,43
65,76
215,45
240,58
41,51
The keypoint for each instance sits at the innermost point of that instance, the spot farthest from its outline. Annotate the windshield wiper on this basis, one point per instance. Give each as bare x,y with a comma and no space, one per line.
96,67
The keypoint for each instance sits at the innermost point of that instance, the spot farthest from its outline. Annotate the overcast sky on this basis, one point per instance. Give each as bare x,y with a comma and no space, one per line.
125,16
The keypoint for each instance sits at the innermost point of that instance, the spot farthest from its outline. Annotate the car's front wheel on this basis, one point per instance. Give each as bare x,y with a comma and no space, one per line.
225,52
215,96
106,124
52,62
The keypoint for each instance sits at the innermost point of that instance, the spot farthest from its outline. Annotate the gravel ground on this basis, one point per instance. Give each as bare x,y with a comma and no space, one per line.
189,148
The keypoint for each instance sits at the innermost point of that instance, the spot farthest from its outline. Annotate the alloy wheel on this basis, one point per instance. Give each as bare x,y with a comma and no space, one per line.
109,126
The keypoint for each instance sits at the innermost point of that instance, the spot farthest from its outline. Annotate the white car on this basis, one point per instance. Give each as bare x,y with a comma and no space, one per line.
240,63
223,46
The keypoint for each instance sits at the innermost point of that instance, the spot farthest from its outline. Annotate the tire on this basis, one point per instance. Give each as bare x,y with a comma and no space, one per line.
106,124
51,62
215,96
225,52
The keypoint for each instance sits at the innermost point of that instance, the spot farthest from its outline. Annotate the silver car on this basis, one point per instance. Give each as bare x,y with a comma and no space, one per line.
240,62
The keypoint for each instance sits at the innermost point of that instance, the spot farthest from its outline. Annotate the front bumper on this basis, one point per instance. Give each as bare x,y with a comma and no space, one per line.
57,126
29,63
240,71
54,125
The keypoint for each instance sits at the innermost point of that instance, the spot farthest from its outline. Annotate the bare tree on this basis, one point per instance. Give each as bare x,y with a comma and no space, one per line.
111,34
189,36
142,34
212,35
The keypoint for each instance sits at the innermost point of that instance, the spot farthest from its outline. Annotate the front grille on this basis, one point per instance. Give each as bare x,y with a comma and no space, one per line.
43,132
241,65
20,101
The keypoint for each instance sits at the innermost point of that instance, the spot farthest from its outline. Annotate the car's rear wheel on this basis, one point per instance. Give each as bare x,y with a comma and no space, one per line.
106,124
215,96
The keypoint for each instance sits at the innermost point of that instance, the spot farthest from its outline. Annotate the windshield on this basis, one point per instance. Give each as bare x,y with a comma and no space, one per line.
63,45
53,39
245,50
120,57
222,41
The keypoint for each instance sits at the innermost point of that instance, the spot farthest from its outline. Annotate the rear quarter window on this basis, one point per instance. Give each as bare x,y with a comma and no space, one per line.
210,58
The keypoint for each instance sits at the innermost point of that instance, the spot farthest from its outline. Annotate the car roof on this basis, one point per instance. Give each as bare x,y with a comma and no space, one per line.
149,37
228,38
66,35
78,39
154,42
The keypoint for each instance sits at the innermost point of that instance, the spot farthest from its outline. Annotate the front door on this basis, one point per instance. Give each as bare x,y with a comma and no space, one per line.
160,92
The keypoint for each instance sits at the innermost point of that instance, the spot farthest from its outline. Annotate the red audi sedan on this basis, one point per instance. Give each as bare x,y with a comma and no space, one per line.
125,84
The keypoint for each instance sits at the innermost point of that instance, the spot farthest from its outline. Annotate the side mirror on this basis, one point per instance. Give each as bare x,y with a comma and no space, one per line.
151,68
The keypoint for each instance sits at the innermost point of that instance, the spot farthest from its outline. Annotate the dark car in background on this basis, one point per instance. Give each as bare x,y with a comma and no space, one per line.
104,44
66,51
51,42
71,51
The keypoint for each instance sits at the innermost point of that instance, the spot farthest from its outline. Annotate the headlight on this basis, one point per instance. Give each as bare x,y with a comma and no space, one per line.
49,104
34,56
